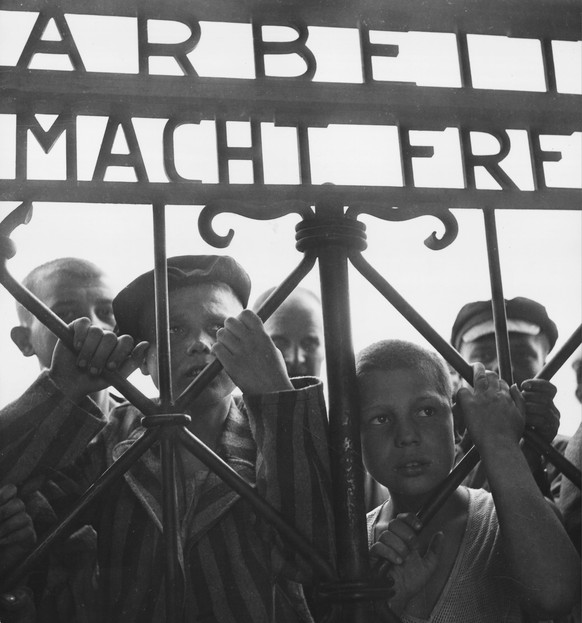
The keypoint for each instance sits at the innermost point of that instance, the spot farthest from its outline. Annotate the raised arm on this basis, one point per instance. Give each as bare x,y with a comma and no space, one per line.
49,426
289,425
543,564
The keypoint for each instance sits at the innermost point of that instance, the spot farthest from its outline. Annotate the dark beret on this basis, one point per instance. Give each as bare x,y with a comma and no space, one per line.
523,316
183,270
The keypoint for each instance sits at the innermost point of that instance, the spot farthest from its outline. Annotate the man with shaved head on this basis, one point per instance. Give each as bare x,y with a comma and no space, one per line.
296,328
72,288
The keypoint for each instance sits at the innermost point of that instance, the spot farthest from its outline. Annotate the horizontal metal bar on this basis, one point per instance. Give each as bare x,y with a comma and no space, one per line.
286,101
200,194
557,19
249,493
117,469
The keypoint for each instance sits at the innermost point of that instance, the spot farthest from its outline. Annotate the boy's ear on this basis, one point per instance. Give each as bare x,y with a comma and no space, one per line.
21,337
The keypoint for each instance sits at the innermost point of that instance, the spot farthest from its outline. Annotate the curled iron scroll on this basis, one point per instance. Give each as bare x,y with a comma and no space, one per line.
259,211
394,213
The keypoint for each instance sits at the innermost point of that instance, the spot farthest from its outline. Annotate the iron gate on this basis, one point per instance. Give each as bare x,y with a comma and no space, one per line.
329,231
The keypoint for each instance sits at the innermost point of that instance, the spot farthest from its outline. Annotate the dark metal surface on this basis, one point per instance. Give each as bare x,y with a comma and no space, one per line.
557,19
497,298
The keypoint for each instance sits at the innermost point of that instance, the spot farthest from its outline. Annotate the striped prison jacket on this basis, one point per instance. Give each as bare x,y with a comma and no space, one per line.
235,568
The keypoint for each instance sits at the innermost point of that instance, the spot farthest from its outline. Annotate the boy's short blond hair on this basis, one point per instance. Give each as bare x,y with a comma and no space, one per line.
389,355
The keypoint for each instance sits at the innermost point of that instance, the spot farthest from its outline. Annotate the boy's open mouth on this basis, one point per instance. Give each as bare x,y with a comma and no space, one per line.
411,468
194,372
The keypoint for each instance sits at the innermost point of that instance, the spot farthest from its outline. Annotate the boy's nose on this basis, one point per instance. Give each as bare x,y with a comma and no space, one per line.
299,356
199,344
406,435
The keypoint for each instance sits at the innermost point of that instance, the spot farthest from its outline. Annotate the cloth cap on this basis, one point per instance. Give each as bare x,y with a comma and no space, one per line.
523,316
183,270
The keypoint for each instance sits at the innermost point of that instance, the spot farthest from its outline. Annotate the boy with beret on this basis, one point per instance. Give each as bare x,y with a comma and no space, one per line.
235,568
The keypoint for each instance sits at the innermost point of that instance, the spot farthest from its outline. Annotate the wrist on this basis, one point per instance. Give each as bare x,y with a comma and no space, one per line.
498,446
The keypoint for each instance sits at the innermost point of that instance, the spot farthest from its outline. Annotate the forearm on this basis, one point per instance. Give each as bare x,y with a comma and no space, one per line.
543,564
290,429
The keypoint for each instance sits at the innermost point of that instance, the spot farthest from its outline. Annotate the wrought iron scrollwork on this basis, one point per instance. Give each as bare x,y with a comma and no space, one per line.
397,214
258,211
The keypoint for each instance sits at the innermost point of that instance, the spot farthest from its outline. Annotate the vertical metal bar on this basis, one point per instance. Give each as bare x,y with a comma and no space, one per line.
497,300
174,594
162,307
168,451
346,463
464,61
549,65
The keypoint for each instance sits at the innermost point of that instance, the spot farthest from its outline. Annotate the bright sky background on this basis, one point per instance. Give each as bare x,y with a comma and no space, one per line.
541,252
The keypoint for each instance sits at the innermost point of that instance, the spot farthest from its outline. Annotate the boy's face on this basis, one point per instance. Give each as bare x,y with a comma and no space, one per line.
528,354
407,431
196,313
70,296
296,328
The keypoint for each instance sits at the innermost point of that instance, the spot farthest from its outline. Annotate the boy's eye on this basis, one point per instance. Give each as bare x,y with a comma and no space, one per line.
175,328
427,412
379,420
66,315
310,344
105,313
214,328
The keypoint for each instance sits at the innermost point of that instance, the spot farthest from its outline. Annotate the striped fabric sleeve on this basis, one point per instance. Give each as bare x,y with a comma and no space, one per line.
293,474
43,430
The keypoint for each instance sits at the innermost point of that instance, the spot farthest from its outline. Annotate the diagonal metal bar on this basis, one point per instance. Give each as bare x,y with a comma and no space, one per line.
249,493
36,307
547,372
121,465
413,317
287,286
563,354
